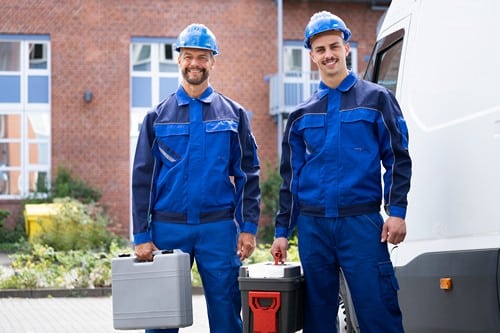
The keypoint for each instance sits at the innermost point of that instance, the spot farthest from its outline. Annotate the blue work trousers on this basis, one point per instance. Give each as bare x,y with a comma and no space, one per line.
353,245
213,246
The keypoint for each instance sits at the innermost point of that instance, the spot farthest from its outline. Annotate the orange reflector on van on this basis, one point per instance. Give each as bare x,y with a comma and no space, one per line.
445,283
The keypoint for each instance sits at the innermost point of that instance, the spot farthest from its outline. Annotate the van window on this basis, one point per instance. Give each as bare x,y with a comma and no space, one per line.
383,67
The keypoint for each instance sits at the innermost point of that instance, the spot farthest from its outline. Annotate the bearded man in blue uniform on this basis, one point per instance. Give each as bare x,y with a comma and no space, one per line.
195,182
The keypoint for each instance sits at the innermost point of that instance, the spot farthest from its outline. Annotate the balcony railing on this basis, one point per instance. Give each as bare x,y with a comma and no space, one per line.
297,87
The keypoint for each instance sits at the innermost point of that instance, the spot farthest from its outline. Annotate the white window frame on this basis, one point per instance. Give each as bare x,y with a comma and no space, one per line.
24,110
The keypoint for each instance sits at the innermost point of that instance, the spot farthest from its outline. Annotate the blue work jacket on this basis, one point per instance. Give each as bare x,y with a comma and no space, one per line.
195,162
332,151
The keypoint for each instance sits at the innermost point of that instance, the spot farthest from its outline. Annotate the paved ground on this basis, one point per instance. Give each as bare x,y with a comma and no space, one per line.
74,314
85,315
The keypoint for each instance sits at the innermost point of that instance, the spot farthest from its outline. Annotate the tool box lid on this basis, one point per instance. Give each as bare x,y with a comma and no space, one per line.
271,270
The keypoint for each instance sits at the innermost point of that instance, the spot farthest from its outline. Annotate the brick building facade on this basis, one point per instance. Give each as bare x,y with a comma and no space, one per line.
90,50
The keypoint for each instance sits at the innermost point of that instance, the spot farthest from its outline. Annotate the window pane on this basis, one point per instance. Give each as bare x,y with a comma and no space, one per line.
38,89
168,53
296,59
38,182
10,126
10,154
141,92
141,57
38,125
168,68
9,56
4,153
389,67
9,181
38,153
166,56
293,59
38,56
10,88
4,182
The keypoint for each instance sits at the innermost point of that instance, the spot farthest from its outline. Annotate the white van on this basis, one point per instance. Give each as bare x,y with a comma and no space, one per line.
441,58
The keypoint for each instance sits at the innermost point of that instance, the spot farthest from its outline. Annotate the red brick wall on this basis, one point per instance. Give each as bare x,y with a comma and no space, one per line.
90,42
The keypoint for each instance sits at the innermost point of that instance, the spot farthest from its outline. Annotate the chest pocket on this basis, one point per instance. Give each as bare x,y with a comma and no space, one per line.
219,134
358,129
313,131
171,142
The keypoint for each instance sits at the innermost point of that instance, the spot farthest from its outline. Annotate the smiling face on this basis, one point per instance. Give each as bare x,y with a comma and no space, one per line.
196,65
329,52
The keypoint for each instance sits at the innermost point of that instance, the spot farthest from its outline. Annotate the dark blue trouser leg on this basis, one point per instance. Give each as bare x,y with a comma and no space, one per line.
352,243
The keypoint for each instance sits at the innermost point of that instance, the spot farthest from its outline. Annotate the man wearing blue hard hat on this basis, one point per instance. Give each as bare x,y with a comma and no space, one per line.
333,149
195,183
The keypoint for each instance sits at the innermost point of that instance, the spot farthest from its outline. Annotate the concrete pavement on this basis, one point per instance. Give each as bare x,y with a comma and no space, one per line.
76,315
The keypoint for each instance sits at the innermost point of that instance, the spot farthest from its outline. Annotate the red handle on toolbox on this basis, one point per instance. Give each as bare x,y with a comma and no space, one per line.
264,317
277,258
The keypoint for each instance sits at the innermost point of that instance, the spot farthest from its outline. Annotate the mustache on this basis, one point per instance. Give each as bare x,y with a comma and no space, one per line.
201,69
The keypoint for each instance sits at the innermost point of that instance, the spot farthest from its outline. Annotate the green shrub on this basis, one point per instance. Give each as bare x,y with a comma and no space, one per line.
43,267
65,185
5,235
3,215
11,239
40,266
77,227
73,250
270,191
270,200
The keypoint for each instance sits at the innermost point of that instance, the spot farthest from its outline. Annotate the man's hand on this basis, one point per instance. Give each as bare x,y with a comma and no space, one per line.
144,252
246,245
279,247
394,230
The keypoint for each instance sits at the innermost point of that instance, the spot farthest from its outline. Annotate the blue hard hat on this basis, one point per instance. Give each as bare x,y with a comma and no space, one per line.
324,21
197,36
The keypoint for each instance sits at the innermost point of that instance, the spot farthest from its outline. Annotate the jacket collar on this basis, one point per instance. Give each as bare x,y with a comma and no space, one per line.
344,86
183,98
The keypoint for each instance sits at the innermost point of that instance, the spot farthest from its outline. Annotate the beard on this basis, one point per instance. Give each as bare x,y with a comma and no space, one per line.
195,80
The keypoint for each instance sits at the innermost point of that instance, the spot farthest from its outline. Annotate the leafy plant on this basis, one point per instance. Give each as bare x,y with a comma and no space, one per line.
5,236
11,239
74,248
270,191
76,227
270,199
65,185
43,267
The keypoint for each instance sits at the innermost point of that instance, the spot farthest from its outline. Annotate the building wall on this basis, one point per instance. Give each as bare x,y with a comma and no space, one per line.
90,42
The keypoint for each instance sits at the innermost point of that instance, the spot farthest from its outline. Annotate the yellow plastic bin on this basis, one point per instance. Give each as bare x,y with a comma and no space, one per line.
38,216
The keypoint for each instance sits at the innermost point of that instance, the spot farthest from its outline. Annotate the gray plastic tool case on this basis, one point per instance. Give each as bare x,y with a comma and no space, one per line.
154,294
